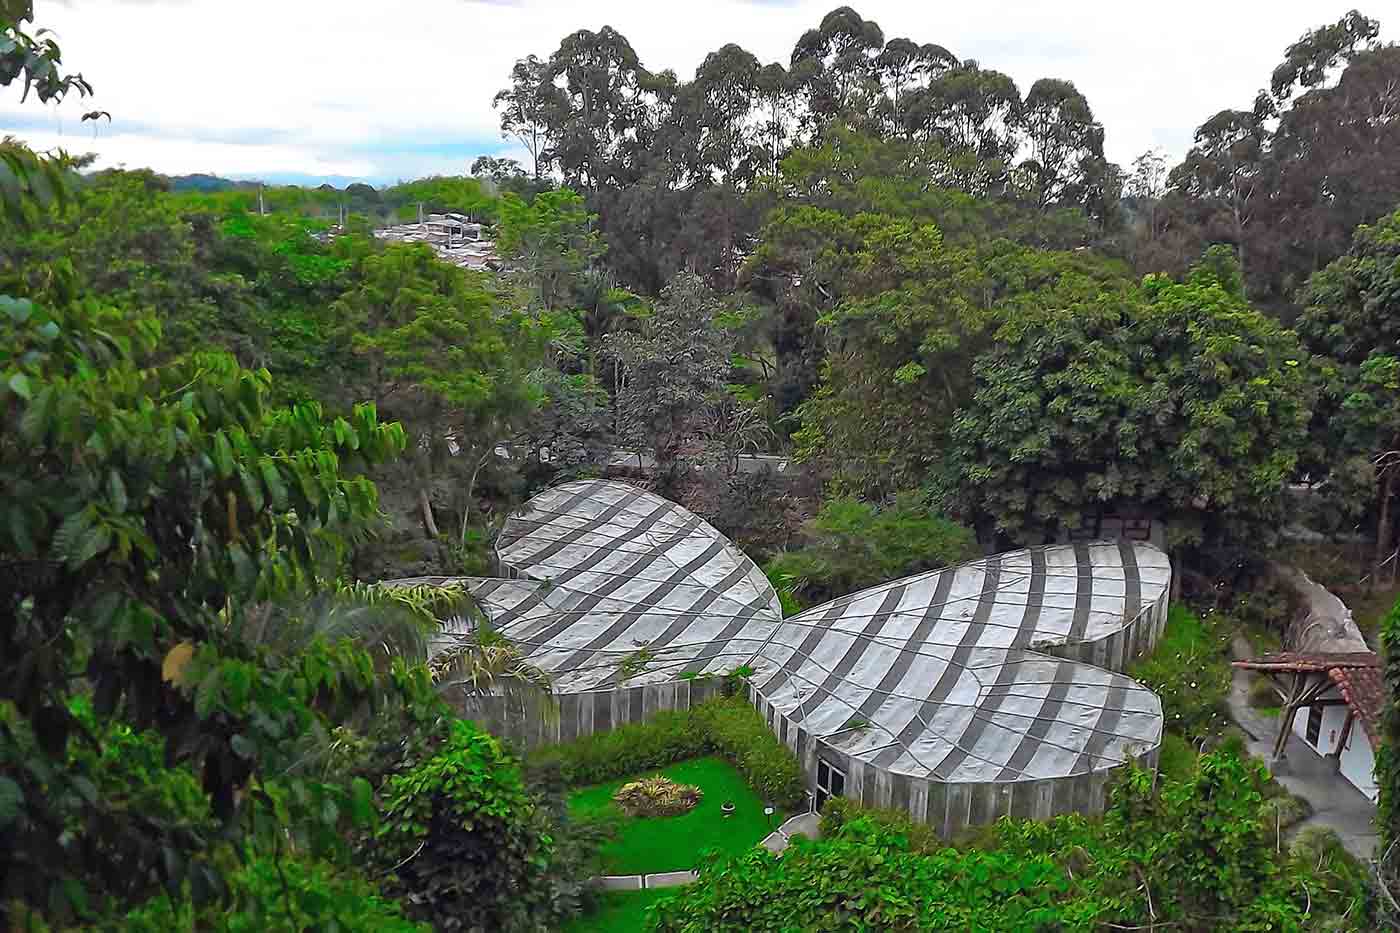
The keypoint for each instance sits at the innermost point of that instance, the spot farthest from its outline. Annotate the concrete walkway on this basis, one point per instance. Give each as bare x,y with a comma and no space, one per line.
661,879
1303,772
805,823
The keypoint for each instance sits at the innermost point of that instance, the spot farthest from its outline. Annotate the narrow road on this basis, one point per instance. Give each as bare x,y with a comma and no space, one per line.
1303,772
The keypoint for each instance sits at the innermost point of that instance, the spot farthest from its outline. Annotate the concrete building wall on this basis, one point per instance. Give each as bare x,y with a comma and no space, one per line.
1359,763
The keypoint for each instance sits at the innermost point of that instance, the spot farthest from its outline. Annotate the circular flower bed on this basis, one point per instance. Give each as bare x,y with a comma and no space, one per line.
657,796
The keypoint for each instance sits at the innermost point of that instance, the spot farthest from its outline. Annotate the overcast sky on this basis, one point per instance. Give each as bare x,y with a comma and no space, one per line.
308,90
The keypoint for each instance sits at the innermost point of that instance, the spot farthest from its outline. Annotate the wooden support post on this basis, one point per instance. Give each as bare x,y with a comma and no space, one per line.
1288,714
1342,739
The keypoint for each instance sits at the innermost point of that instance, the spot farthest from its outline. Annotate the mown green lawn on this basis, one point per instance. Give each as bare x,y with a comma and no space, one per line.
620,912
673,843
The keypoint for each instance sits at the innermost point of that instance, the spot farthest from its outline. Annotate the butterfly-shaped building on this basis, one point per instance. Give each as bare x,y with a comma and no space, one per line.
959,695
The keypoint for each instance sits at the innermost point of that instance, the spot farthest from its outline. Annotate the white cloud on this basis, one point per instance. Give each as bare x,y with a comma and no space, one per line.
348,87
182,157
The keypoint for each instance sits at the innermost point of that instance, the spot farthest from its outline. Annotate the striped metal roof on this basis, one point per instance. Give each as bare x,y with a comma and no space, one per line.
950,674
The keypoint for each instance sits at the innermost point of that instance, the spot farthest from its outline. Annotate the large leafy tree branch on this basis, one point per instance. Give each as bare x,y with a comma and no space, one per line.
1179,400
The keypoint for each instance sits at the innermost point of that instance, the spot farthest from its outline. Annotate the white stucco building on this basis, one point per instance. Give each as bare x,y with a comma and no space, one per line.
1332,701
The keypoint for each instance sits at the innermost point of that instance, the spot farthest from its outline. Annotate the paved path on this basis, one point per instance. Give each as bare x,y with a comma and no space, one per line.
661,879
804,823
1303,772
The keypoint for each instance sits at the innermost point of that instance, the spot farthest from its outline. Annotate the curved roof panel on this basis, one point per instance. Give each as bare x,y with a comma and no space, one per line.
630,584
938,675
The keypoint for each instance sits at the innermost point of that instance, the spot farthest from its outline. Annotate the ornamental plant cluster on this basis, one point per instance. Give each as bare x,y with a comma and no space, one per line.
657,796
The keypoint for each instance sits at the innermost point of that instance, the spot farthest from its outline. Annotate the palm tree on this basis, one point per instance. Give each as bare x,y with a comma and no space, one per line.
484,664
433,622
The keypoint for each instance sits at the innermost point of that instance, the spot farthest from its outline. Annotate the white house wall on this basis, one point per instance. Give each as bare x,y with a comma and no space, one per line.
1357,761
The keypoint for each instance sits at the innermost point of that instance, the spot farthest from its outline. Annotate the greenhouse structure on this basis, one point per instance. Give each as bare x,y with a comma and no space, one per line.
961,694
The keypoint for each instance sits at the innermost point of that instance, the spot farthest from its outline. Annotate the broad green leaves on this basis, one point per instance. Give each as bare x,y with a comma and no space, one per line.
147,508
1177,400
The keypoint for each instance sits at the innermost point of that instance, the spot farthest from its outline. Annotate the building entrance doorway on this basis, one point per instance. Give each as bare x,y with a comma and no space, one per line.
831,782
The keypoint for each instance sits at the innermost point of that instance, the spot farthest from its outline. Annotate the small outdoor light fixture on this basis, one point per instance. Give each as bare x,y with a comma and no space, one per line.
727,808
768,812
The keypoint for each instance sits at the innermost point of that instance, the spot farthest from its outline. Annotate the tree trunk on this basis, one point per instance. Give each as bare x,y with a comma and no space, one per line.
1383,523
471,486
426,507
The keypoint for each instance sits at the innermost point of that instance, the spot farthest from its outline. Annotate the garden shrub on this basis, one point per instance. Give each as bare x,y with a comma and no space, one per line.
466,845
739,732
920,837
1190,671
1284,811
1177,759
727,725
866,877
1337,884
669,737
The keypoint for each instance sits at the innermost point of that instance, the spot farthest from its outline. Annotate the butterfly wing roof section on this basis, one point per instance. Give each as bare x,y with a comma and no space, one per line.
614,584
932,675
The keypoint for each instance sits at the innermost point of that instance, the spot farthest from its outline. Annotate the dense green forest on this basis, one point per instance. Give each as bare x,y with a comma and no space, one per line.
227,410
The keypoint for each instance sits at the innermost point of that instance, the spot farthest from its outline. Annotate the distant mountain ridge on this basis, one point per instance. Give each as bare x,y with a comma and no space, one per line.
207,183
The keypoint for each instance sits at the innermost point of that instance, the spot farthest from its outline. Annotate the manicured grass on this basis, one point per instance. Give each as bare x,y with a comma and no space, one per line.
673,843
620,912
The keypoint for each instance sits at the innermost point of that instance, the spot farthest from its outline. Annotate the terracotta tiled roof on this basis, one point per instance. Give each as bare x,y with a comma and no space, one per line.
1309,661
1364,690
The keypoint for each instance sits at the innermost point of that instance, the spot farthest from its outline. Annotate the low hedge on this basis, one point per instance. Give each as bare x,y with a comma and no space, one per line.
629,749
727,725
920,837
738,732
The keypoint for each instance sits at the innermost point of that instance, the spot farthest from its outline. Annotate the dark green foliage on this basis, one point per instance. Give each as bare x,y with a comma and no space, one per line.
1349,320
851,545
1388,762
1177,399
728,725
148,508
465,843
1190,671
285,895
1197,854
866,877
